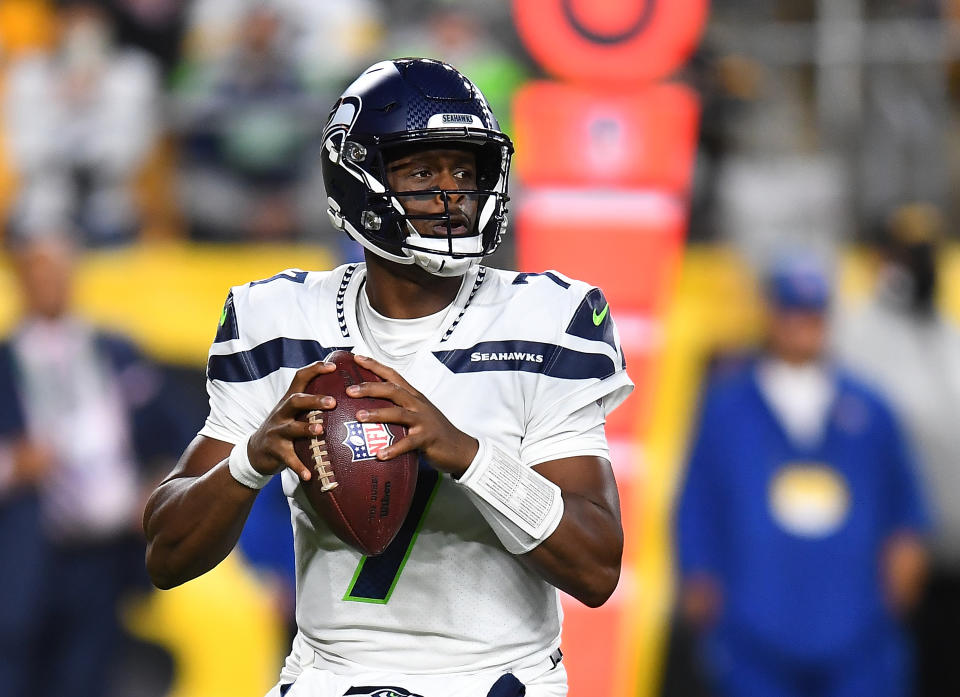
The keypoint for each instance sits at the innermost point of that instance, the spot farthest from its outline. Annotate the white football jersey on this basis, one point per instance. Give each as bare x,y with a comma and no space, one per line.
516,356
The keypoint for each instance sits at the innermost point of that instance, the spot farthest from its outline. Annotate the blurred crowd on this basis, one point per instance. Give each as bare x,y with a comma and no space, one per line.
136,119
88,423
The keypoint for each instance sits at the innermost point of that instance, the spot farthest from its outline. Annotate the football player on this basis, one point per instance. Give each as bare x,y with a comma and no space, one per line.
503,380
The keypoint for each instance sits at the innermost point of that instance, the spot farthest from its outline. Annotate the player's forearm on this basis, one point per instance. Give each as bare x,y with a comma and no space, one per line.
192,523
563,515
582,556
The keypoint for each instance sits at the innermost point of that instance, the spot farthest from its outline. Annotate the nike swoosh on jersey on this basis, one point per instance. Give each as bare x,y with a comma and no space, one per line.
597,319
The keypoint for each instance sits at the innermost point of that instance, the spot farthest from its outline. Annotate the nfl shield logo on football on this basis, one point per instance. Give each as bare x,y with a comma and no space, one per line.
366,440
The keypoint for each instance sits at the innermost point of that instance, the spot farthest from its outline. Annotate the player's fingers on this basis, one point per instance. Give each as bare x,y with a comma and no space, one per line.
385,372
387,415
383,390
293,429
307,373
397,448
291,460
299,402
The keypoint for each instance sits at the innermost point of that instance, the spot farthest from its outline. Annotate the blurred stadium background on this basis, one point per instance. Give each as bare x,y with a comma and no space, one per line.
665,152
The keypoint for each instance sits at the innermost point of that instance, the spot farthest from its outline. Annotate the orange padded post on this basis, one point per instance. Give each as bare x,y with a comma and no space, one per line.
573,135
628,243
614,41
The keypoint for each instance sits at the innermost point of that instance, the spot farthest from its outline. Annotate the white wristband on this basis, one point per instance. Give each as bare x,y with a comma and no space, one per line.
522,506
242,470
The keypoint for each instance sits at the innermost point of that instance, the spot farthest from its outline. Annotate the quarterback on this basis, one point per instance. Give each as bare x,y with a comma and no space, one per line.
503,380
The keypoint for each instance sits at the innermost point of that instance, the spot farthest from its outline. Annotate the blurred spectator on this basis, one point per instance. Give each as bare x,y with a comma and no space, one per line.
155,26
904,135
800,522
464,35
725,82
332,40
83,414
904,343
81,121
249,125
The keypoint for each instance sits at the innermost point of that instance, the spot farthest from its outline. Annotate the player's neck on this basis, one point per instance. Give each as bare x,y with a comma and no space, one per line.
407,291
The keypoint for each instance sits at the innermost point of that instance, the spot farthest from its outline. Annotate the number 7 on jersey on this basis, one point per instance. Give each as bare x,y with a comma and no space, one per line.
376,577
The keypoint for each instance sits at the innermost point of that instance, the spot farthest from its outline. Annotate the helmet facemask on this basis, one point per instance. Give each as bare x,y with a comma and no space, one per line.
447,241
461,234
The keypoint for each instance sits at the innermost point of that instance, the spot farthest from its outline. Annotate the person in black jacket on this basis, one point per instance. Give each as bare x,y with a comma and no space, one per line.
82,412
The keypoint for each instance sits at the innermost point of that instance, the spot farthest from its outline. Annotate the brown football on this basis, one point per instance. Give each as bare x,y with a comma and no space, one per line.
362,499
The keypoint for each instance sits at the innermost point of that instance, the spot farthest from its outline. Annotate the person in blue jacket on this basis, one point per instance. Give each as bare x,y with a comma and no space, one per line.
800,525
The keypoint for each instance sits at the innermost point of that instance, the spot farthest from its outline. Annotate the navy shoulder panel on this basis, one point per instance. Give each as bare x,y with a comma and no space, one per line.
227,329
592,319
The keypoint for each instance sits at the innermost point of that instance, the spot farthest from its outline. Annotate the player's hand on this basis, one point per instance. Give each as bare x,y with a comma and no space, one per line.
270,448
446,447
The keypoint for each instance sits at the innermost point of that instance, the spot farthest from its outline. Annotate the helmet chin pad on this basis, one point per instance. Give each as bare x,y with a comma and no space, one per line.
443,266
443,256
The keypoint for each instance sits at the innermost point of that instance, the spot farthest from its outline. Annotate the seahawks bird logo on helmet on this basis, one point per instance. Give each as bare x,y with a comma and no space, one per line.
413,103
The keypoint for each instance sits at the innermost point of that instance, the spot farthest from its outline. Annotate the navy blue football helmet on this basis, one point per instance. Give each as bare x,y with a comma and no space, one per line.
413,103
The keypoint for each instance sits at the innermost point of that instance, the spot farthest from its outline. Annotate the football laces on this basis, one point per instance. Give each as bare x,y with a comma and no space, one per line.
318,449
